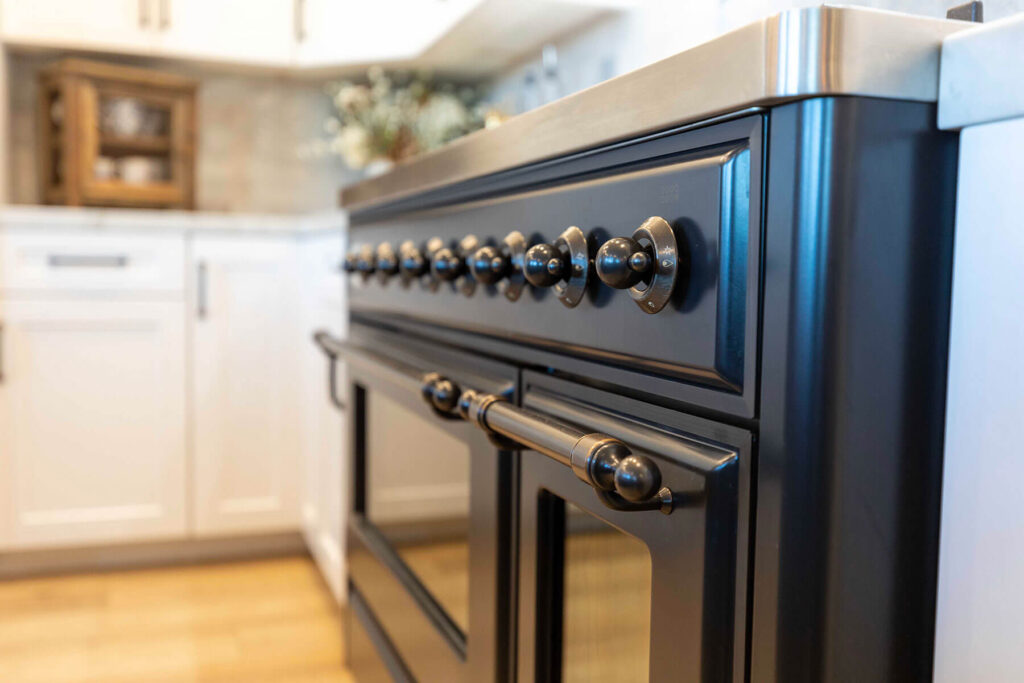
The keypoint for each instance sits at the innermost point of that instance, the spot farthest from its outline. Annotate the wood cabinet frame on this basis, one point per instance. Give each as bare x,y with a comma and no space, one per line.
68,150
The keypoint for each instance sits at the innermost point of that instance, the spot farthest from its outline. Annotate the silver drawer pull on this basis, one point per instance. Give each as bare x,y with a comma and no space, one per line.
87,261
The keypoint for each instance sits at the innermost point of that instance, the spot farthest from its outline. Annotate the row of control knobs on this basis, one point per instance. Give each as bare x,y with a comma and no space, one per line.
646,264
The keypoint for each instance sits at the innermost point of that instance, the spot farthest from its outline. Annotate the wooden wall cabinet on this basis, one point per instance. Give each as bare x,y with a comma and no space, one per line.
116,136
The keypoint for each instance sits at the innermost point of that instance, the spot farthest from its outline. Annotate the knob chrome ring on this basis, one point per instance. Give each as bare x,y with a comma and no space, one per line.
573,242
654,295
513,284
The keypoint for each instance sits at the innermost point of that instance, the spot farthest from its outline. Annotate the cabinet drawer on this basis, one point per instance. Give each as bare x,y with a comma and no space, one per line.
83,262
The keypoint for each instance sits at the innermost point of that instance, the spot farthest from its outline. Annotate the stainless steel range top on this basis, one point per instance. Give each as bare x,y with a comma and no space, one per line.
796,54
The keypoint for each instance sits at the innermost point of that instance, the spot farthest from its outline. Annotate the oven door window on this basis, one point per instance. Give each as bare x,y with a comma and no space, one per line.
417,497
606,600
612,593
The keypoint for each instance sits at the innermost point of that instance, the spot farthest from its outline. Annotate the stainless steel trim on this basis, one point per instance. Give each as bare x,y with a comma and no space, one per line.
796,54
981,73
201,293
87,260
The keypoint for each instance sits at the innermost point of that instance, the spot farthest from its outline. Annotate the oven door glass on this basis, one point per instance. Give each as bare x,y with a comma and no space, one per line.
633,595
429,535
417,497
606,599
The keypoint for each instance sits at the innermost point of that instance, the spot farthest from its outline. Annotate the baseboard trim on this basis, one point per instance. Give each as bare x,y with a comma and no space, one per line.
141,555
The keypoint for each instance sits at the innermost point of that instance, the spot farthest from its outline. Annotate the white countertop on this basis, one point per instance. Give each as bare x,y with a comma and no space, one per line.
981,74
26,216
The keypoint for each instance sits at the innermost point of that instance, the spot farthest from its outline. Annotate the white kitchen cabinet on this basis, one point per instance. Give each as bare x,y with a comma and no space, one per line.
335,32
108,25
258,33
324,425
245,386
92,418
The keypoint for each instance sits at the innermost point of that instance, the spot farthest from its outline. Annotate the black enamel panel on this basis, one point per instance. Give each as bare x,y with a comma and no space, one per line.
700,349
856,296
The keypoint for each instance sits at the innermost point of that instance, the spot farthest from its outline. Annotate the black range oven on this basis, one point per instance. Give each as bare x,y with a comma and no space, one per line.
664,410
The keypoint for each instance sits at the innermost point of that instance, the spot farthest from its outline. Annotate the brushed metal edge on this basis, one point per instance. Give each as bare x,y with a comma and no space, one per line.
795,54
981,72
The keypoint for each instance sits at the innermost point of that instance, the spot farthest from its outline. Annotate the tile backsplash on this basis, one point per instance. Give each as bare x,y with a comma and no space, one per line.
251,130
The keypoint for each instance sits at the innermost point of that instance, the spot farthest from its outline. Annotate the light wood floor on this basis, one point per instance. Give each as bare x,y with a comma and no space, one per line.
268,621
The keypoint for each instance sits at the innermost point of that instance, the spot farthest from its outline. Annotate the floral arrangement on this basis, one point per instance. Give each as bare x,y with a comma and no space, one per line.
392,117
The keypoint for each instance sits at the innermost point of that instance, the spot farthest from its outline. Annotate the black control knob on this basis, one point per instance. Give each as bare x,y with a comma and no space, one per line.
621,262
387,261
366,262
489,265
351,262
545,265
411,261
447,265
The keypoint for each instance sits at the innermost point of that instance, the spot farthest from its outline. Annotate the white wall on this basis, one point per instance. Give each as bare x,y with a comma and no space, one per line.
656,29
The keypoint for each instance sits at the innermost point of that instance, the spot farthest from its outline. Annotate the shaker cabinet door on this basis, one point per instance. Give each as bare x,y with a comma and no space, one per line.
106,25
243,31
245,387
92,418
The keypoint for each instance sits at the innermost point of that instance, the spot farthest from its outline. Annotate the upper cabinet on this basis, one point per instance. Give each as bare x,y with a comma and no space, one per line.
108,25
228,30
472,37
335,32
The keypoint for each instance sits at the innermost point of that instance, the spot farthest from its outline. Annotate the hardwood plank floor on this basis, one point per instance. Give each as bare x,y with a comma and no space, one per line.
266,621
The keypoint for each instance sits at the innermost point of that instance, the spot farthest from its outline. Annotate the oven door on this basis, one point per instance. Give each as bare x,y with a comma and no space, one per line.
429,534
633,594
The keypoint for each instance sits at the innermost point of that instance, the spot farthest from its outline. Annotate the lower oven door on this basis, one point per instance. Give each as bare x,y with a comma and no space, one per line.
633,594
429,534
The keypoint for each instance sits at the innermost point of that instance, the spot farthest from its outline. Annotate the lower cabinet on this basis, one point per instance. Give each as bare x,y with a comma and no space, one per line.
92,418
245,384
138,405
322,422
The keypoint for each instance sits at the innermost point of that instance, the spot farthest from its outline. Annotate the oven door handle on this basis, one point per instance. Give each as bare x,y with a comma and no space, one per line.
623,480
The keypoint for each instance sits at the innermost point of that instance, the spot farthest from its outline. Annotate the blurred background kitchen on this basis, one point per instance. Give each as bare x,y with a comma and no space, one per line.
172,473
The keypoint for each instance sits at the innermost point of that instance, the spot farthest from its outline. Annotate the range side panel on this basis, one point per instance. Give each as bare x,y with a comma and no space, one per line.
858,253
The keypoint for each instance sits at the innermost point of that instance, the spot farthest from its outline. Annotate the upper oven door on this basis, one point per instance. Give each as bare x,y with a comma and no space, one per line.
631,595
429,534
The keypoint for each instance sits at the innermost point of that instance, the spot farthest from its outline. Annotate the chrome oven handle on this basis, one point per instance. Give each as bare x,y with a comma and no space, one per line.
623,480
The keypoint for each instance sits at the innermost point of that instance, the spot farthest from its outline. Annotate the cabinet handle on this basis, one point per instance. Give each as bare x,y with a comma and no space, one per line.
299,7
201,290
165,14
87,261
144,13
332,349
